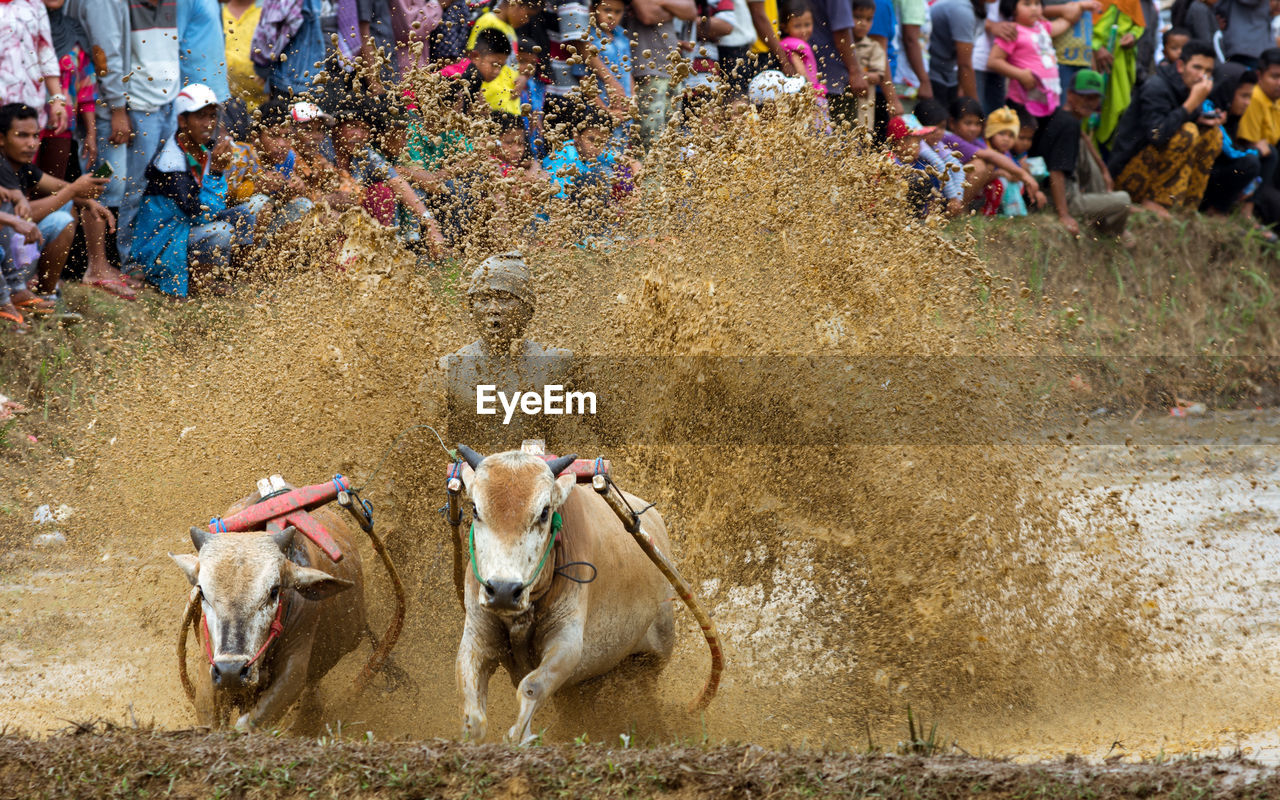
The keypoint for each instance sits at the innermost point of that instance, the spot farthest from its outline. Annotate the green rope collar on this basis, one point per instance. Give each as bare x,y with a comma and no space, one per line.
556,525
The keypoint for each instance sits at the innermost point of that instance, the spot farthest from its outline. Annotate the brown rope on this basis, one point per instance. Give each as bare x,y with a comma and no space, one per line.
631,521
188,621
380,653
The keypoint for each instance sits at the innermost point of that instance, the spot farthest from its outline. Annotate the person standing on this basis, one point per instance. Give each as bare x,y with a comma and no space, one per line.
248,91
654,26
29,71
956,24
838,67
202,50
153,84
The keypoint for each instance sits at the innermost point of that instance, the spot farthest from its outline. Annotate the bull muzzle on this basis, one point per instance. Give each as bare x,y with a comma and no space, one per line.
233,673
503,596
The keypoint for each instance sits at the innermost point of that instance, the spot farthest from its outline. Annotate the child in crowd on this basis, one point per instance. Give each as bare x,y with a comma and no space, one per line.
533,95
1001,133
1030,61
379,184
485,71
506,18
906,135
874,63
1174,40
511,150
308,129
583,169
1021,154
610,55
795,20
964,138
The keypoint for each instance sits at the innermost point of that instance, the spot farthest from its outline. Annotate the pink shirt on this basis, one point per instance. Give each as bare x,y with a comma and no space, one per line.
800,47
1034,50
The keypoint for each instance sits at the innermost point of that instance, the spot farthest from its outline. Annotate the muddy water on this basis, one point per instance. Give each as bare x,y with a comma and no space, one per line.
1001,589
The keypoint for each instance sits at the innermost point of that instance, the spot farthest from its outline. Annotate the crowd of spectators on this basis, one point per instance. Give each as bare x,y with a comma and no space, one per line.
155,142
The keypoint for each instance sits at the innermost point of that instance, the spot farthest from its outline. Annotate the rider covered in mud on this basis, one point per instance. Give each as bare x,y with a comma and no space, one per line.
501,299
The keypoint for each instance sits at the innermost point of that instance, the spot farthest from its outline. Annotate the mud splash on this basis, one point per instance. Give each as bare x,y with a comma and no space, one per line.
849,580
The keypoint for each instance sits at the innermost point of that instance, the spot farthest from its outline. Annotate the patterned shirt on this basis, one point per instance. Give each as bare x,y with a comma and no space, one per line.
27,56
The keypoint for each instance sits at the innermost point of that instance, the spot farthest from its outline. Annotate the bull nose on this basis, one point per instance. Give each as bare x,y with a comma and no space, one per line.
229,673
503,595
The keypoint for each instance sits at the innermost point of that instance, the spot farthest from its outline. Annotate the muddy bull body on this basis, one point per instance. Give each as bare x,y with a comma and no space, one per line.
547,630
278,614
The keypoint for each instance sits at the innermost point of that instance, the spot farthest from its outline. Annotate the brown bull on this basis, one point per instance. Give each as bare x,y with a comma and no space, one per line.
278,615
546,630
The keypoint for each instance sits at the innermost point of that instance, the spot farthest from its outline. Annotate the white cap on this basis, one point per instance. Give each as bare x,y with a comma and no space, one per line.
307,112
194,97
771,85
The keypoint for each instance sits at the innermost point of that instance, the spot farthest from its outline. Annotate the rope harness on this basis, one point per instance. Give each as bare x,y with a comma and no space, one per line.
277,628
556,524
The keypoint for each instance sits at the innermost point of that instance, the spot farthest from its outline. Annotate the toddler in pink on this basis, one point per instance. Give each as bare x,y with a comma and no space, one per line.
795,20
1030,61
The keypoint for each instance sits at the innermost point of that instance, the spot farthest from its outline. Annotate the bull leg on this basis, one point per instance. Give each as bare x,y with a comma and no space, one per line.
475,666
279,697
559,660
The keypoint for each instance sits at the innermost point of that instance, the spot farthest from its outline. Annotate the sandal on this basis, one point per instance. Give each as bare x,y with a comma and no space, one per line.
19,324
114,286
36,305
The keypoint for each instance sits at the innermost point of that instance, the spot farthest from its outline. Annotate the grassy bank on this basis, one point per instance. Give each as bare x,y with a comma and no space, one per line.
1192,311
191,764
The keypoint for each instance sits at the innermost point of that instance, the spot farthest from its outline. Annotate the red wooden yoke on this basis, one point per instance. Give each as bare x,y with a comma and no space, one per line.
289,508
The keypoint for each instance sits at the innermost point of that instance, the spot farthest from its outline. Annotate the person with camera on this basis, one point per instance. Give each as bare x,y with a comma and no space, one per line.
1170,135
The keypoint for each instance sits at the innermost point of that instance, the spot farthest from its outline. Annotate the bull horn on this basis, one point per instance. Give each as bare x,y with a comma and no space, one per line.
558,465
199,536
284,538
472,458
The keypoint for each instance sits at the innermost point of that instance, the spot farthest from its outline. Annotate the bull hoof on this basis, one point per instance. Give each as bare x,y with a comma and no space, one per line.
514,737
243,725
473,729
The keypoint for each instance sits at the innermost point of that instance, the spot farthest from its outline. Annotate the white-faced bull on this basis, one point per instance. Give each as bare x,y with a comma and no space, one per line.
549,631
277,615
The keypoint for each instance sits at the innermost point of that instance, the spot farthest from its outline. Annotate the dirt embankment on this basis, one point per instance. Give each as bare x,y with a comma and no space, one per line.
197,764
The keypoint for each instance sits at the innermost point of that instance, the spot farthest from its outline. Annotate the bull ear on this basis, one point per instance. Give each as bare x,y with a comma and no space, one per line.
468,477
189,564
472,458
560,492
284,538
315,584
199,536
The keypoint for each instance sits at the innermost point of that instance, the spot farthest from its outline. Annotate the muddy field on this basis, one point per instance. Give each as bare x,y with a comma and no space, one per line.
902,490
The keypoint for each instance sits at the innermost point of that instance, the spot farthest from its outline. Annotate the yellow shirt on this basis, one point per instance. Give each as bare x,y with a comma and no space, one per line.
1261,120
243,81
771,11
490,20
500,93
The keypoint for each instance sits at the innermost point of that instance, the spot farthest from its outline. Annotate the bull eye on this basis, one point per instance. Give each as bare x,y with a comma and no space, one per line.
475,512
275,593
546,512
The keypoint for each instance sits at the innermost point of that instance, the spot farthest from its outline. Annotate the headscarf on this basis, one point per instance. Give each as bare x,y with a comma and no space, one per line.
67,32
1130,8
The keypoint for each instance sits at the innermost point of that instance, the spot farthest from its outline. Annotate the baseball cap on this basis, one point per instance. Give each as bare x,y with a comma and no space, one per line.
1000,120
906,125
771,85
303,112
1088,82
194,97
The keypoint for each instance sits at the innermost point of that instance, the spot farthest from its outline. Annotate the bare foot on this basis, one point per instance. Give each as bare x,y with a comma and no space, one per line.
1157,209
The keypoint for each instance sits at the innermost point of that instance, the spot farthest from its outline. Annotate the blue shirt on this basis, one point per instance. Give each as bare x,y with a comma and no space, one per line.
616,55
573,177
885,23
202,51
